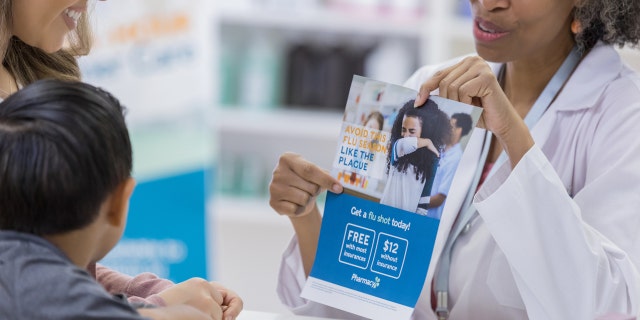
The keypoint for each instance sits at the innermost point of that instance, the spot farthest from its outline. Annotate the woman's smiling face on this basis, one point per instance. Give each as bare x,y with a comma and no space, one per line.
46,23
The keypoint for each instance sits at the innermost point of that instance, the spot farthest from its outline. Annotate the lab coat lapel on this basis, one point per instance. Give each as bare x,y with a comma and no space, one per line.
463,177
590,76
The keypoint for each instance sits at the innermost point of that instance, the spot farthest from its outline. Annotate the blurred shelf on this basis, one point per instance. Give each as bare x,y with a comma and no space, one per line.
244,209
326,21
462,28
248,209
293,123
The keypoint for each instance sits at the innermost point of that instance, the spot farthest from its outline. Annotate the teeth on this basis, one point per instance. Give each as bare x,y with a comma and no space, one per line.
75,15
485,29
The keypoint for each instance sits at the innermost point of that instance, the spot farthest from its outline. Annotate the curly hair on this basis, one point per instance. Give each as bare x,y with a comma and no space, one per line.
614,22
435,126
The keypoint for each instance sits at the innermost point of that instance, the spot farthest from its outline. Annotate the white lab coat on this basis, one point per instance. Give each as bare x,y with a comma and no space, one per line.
559,236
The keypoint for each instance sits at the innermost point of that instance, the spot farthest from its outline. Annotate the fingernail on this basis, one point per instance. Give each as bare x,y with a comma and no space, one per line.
336,188
415,103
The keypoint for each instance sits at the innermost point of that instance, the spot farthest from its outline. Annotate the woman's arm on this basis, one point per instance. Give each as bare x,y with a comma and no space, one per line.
294,187
149,289
142,288
572,256
566,263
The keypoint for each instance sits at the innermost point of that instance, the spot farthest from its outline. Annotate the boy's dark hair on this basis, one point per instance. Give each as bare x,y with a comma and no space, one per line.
64,147
464,121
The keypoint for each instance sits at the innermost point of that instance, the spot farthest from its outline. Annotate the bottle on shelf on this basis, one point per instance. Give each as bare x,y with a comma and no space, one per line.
319,76
229,72
260,72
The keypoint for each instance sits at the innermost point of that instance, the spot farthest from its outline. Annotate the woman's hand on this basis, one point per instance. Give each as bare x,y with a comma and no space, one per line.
296,183
472,81
294,187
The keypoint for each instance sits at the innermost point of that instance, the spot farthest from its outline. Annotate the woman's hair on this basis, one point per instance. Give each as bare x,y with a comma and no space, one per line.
435,126
64,147
611,21
28,64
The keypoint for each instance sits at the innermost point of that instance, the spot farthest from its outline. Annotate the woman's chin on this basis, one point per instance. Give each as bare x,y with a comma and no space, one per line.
46,46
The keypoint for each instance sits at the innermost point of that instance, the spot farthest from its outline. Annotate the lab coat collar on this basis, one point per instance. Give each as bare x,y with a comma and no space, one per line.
601,65
597,69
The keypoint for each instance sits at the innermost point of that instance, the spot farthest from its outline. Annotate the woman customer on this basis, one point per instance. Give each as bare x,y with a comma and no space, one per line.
32,46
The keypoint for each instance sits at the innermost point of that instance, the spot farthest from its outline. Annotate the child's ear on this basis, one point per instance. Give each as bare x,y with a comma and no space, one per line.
119,202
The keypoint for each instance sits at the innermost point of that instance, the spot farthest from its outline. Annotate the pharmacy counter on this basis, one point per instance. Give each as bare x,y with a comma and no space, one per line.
257,315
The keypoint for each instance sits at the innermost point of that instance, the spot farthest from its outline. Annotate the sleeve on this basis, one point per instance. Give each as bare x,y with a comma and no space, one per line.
404,146
447,171
566,267
141,289
421,75
291,281
616,316
417,78
59,291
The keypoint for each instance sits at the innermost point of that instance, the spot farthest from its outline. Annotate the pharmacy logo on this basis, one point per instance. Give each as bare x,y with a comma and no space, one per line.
368,282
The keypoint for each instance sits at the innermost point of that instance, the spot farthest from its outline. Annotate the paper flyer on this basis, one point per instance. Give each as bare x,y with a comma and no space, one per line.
396,163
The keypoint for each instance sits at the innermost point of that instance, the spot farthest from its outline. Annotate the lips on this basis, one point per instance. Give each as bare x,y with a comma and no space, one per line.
487,31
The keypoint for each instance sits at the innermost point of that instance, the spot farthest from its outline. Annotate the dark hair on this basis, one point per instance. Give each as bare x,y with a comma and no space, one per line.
435,126
464,121
64,147
611,21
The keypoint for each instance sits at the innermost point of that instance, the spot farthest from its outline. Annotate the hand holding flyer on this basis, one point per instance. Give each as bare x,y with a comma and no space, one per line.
396,163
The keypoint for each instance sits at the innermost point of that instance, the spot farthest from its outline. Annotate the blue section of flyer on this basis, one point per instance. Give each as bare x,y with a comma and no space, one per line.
375,249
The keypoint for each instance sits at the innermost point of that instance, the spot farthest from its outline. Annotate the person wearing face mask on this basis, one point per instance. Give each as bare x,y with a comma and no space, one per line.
542,216
417,137
42,39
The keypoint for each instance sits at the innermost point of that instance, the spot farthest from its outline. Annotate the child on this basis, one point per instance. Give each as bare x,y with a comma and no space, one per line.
65,183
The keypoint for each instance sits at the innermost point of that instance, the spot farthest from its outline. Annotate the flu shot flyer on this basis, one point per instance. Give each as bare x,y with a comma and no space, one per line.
393,160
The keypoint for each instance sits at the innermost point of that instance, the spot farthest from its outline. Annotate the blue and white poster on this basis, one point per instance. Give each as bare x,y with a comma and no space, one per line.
396,163
151,55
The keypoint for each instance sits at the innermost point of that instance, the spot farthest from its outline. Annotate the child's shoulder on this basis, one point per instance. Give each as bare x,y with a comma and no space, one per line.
36,273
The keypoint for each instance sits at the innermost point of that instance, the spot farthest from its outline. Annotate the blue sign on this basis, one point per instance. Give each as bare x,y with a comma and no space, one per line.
165,231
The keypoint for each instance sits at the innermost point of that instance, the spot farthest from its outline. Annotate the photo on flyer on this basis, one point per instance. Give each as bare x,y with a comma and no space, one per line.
395,154
396,163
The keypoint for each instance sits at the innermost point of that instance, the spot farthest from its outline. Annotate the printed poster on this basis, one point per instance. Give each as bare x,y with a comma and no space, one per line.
396,163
